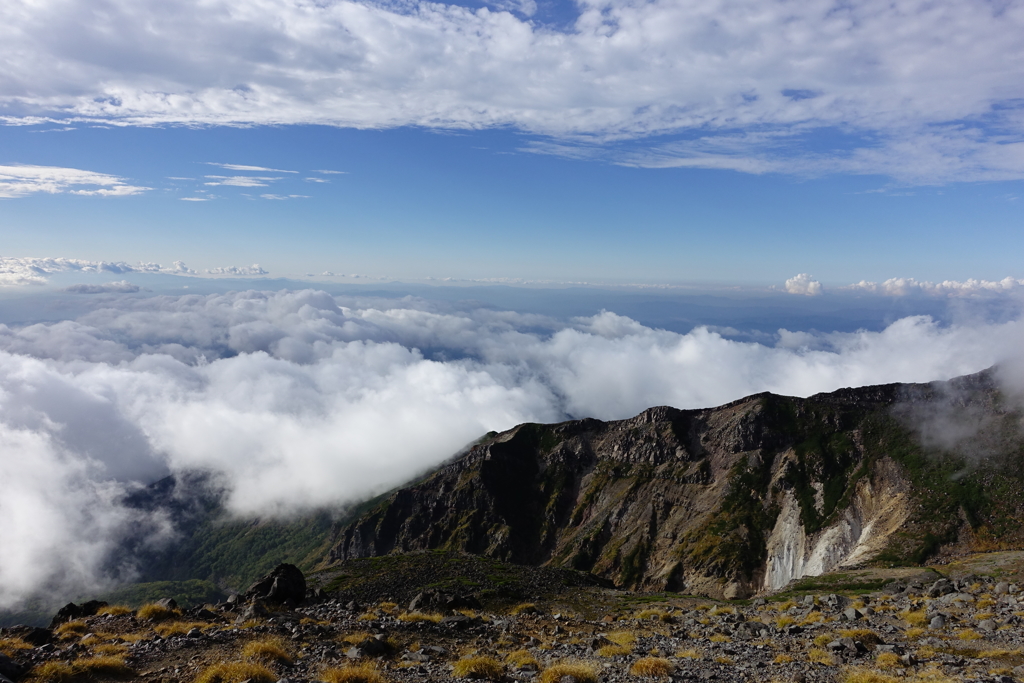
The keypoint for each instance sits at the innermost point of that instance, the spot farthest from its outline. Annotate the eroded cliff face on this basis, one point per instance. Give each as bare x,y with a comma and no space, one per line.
723,502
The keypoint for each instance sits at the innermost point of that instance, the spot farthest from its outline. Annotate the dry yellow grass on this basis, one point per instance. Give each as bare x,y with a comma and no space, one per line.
981,616
652,667
915,617
524,608
582,672
647,614
388,607
267,651
719,638
624,638
689,653
783,606
812,618
71,629
860,675
102,666
367,616
823,639
178,628
926,652
864,635
479,668
985,601
887,660
521,658
721,659
57,672
722,610
783,658
934,675
819,656
784,621
111,649
155,612
913,633
236,672
12,646
116,610
615,650
969,634
413,617
364,673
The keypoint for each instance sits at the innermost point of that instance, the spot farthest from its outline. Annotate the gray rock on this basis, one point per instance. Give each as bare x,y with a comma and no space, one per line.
937,622
988,625
1002,588
851,614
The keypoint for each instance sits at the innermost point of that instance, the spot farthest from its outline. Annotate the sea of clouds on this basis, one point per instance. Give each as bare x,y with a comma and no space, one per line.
298,399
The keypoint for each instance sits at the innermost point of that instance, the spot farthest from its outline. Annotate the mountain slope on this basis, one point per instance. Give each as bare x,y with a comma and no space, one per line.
725,501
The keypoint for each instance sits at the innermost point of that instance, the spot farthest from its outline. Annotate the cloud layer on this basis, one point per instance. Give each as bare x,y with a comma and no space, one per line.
303,399
923,91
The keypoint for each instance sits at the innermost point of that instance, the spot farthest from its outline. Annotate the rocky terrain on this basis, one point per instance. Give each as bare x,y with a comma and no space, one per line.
727,502
963,627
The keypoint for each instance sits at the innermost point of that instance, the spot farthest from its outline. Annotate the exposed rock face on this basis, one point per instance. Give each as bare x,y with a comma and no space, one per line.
725,502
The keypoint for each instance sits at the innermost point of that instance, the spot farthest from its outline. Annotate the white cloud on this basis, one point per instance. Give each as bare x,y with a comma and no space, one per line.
926,92
906,286
254,269
803,284
18,271
240,180
240,167
21,181
282,197
331,172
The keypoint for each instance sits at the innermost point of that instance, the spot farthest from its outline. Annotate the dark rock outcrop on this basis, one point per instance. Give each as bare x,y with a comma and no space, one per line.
285,582
71,611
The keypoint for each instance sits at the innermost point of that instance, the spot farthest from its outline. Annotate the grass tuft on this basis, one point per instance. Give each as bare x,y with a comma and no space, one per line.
155,612
178,628
719,638
888,660
969,634
236,672
652,667
524,608
363,673
819,656
485,668
783,658
864,635
689,653
615,650
583,673
858,675
521,658
413,617
267,651
12,646
915,617
71,629
116,610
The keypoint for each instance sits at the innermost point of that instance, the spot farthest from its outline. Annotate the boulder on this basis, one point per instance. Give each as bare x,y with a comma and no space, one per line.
10,668
286,582
33,635
71,611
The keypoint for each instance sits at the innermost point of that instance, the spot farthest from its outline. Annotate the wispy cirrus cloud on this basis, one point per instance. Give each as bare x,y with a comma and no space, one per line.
922,92
256,169
24,180
239,181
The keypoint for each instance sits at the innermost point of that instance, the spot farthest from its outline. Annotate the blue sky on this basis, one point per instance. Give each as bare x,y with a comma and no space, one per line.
611,142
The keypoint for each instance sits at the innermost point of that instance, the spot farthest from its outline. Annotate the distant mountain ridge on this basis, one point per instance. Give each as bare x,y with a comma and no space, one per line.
726,501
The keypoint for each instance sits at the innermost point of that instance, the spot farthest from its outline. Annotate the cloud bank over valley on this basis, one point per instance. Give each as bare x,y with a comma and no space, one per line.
302,398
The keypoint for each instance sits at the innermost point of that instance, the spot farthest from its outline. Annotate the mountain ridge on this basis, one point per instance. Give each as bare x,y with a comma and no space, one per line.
726,501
